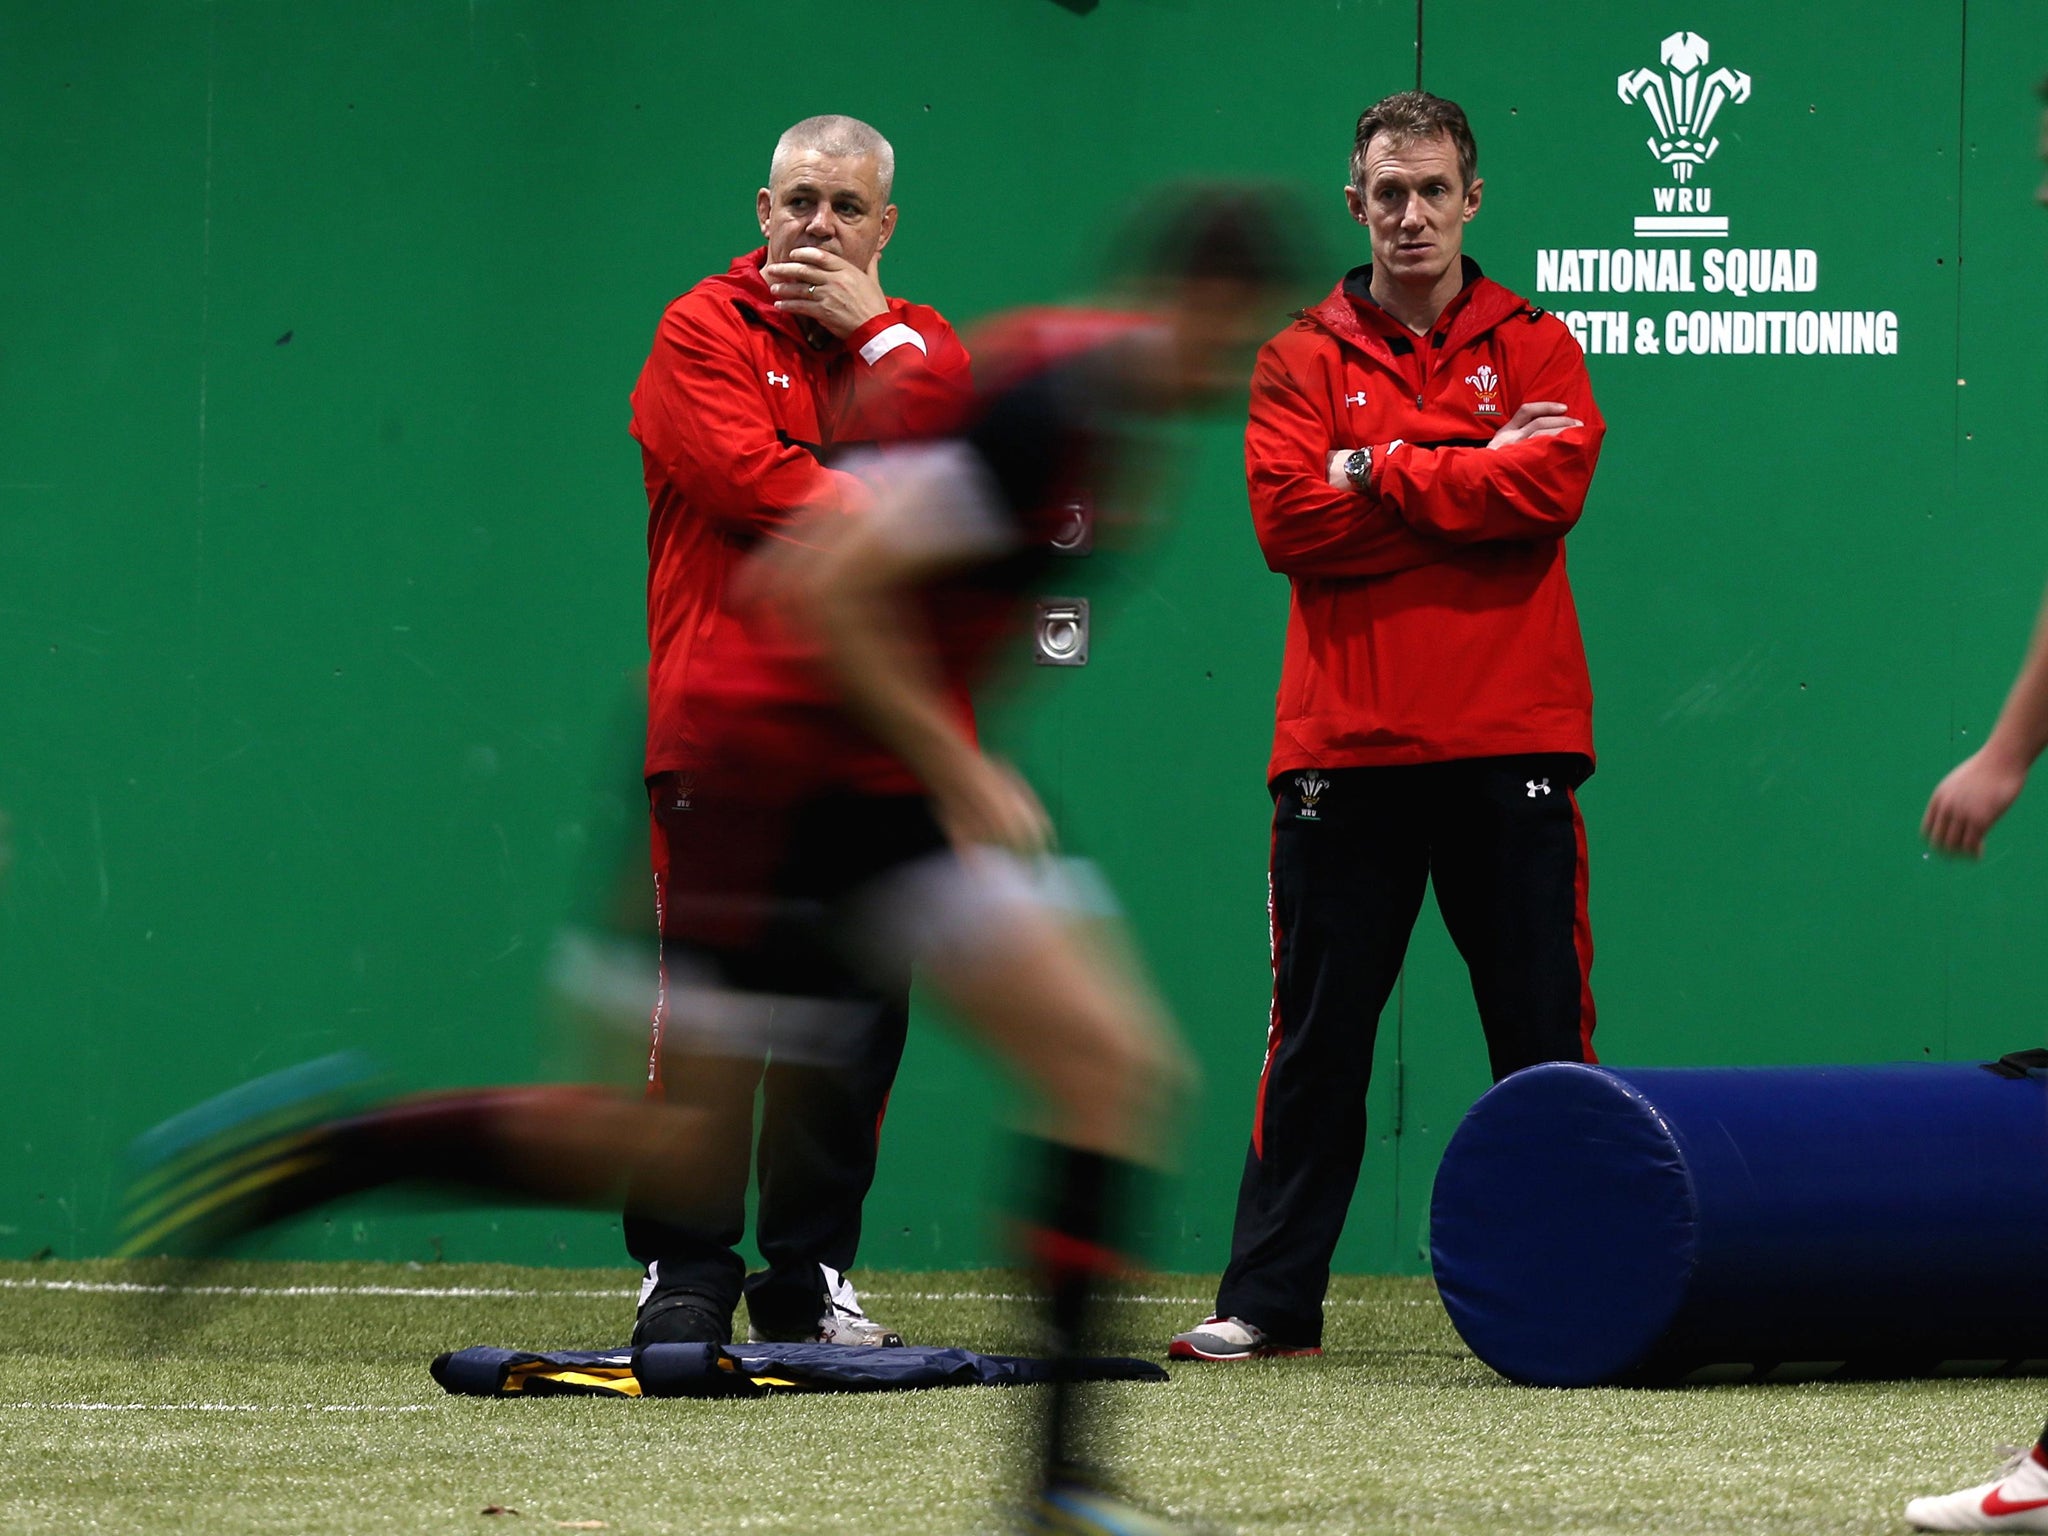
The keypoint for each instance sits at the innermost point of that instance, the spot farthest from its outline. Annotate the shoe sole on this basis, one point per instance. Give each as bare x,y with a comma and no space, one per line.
217,1205
225,1167
1180,1350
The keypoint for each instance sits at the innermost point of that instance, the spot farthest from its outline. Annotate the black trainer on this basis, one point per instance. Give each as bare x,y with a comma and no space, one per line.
683,1318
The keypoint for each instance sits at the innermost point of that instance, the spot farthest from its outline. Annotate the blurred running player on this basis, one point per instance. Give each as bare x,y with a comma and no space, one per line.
1965,806
907,601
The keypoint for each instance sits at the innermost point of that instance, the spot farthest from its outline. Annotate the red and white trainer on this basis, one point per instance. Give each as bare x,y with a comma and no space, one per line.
2015,1500
1232,1338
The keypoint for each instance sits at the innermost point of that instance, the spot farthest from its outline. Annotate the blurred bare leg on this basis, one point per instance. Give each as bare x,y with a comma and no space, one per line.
1050,995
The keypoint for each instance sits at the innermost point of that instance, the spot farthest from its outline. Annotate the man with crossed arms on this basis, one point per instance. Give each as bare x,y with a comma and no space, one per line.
1419,445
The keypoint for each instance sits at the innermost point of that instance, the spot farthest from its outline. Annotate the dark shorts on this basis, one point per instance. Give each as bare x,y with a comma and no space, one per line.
758,896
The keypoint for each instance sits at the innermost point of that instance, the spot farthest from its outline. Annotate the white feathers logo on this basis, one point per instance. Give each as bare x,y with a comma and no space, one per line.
1310,786
1682,105
1485,391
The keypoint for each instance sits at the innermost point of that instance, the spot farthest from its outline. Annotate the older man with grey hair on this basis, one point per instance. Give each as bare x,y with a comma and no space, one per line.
758,378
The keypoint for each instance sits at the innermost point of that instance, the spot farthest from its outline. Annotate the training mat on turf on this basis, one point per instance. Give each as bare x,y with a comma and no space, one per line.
751,1370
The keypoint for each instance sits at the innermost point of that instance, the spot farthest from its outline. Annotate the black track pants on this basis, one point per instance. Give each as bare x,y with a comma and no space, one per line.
1353,848
753,900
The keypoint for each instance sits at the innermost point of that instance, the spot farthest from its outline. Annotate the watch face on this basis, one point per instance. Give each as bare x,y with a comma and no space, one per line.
1357,465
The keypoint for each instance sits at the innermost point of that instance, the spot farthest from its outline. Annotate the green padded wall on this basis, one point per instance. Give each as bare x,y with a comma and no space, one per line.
320,605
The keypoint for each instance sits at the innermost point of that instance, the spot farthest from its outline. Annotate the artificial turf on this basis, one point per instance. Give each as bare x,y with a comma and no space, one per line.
311,1410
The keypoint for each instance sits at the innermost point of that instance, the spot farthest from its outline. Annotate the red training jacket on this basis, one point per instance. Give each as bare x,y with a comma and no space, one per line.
1430,618
733,412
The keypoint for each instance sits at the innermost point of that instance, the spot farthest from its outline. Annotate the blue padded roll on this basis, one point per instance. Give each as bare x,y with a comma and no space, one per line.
1592,1225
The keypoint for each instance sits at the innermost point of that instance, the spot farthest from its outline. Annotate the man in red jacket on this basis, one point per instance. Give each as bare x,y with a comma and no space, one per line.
1419,445
757,376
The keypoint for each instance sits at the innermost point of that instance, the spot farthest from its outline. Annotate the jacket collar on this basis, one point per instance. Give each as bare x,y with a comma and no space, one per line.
747,290
1351,313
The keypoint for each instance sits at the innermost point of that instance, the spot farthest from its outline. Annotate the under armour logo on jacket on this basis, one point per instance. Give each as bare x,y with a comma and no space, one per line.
779,379
1538,787
1357,399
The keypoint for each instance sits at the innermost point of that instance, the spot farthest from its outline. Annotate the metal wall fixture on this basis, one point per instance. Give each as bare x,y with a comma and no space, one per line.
1059,638
1076,532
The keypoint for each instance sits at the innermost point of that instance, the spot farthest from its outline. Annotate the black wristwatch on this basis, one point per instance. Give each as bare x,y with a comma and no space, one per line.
1358,469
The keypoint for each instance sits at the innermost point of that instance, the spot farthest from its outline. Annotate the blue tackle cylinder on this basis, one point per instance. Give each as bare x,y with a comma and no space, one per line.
1599,1226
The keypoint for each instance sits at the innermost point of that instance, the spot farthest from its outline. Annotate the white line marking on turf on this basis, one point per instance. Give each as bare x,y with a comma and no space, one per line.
132,1287
1112,1296
226,1407
1031,1296
511,1293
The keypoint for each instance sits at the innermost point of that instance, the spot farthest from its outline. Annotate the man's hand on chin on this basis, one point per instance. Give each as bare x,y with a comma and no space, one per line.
827,289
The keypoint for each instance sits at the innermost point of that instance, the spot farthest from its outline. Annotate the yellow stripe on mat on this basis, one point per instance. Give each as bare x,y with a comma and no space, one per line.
612,1380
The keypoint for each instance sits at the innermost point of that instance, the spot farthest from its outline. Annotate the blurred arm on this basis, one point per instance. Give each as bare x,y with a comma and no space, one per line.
856,587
